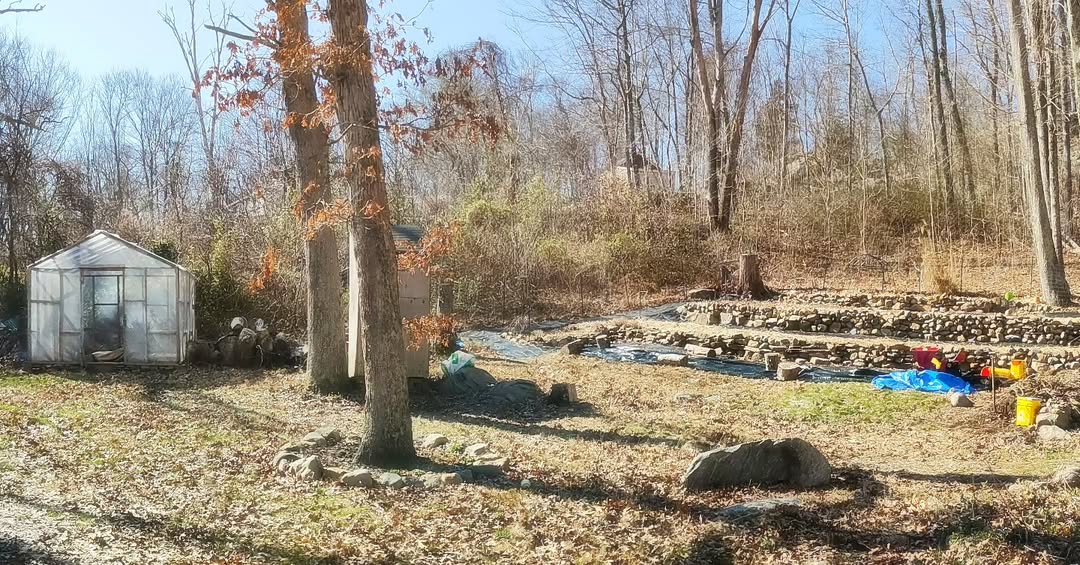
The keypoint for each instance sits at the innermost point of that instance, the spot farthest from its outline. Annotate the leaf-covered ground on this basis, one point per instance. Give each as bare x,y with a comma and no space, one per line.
144,467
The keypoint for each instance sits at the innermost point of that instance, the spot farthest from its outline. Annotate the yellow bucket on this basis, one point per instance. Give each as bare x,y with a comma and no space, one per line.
1026,410
1018,368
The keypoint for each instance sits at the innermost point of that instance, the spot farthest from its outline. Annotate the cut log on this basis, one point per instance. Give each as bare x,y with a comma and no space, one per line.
750,283
700,351
772,362
788,372
563,394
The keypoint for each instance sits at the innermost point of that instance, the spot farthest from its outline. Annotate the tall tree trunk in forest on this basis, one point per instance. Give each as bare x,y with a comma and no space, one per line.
954,109
1066,101
326,359
387,436
742,95
1052,282
1073,24
789,17
712,96
940,131
626,79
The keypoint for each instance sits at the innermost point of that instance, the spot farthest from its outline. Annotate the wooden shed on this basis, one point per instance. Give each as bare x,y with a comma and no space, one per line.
414,290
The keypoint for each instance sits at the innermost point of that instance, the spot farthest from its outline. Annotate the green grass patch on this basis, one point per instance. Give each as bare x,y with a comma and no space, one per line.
21,382
856,403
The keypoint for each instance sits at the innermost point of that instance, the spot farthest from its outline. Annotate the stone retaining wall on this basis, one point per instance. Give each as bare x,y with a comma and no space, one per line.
900,324
877,355
910,302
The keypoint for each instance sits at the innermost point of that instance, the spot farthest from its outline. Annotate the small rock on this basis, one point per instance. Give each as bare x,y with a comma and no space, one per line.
1067,477
283,459
696,446
574,347
749,511
306,469
391,480
358,478
314,439
1060,416
451,478
672,359
334,473
332,435
1053,433
476,450
434,440
526,483
292,447
491,467
960,400
603,342
431,480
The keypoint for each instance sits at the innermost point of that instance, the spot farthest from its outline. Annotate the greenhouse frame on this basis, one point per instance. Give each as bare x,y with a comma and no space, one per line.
105,300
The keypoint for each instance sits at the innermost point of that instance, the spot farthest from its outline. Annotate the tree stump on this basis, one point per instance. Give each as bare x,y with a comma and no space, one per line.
788,372
749,281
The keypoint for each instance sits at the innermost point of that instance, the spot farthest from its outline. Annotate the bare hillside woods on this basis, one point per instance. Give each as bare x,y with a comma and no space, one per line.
642,146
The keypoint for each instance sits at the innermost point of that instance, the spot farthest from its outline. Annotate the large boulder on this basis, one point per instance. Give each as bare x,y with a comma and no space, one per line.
466,381
790,461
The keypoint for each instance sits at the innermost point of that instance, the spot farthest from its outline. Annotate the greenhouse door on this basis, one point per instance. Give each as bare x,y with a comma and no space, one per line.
103,316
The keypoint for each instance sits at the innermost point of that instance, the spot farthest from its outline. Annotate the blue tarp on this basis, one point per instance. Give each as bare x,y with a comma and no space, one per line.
925,381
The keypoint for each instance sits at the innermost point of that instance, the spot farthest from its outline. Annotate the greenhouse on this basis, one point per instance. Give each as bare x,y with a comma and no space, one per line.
106,300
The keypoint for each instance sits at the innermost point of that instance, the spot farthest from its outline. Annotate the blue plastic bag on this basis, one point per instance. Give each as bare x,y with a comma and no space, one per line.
925,381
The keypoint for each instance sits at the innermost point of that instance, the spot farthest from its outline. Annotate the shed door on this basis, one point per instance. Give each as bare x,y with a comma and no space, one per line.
45,293
103,314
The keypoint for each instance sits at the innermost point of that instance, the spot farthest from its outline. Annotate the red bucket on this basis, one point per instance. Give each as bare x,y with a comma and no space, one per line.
924,357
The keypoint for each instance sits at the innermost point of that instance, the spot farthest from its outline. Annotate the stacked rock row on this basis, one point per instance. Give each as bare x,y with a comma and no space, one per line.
877,355
911,302
931,326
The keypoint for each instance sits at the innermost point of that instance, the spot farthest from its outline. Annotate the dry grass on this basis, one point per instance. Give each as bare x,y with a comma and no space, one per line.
141,468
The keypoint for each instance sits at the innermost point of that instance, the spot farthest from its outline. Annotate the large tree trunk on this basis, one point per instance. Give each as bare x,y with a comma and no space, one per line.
954,109
325,322
742,93
940,131
387,436
1055,289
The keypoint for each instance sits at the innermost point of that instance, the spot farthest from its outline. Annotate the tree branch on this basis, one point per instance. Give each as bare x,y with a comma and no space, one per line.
13,9
230,33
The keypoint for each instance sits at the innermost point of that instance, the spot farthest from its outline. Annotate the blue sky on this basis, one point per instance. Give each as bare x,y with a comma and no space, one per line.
97,36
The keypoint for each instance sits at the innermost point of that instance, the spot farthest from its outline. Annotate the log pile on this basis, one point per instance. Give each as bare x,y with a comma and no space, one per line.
248,346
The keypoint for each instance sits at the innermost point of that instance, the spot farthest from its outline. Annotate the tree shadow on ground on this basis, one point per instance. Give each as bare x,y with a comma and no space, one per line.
829,525
532,428
206,407
155,531
963,478
14,551
155,380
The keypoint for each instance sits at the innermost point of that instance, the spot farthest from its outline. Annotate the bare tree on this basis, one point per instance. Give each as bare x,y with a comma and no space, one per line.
1054,286
724,123
207,109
